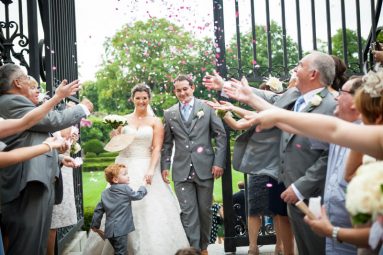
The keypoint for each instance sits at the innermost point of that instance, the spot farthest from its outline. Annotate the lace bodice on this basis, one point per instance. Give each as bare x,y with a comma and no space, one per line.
142,143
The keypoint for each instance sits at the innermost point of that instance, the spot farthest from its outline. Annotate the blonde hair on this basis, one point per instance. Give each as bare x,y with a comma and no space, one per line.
113,171
368,98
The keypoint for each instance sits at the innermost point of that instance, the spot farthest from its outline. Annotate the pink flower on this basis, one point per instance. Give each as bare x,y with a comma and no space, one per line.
86,123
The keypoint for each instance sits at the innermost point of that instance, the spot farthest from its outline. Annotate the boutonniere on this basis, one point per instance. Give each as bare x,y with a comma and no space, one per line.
316,100
200,113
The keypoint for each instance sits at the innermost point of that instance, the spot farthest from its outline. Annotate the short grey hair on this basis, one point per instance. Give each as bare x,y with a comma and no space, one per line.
8,73
325,65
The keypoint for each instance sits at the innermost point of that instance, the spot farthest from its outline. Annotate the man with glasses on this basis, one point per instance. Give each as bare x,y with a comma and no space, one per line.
28,189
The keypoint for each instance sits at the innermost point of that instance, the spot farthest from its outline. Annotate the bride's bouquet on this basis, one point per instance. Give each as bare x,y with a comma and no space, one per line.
115,120
364,199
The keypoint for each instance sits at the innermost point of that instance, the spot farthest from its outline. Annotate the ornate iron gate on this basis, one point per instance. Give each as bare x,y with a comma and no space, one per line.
49,54
234,237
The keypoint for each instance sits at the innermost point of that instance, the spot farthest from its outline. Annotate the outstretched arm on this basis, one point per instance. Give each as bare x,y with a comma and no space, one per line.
366,139
8,158
12,126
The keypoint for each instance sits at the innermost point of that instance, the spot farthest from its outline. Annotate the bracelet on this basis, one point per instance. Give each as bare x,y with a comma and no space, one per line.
334,234
50,147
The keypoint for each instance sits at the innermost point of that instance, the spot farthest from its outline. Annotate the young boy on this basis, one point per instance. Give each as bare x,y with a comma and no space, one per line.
116,203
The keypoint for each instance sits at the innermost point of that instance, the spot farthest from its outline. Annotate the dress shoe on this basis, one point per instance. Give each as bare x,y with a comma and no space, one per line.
204,252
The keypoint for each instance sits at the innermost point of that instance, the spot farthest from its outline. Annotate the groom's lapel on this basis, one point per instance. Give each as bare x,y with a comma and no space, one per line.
176,115
197,107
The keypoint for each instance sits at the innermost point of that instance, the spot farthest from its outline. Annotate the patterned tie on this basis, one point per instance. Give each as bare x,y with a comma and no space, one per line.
299,103
185,111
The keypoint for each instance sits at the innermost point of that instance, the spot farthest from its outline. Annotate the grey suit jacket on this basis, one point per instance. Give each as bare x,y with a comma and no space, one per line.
193,146
303,161
116,203
258,152
43,168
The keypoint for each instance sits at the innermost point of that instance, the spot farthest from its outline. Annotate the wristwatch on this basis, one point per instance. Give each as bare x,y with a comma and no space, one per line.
334,234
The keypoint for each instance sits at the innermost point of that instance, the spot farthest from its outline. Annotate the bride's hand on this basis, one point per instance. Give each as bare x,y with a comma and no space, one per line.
148,177
115,132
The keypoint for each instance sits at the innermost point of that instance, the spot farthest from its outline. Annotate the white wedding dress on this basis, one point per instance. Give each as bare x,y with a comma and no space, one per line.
157,216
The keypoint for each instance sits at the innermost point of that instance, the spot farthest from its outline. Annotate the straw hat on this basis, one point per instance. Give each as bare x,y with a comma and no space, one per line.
119,142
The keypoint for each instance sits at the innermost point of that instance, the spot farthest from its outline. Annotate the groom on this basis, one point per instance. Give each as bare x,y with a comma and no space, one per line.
190,125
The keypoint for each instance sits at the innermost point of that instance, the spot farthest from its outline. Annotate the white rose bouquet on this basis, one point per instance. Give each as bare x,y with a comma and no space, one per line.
115,120
364,199
274,83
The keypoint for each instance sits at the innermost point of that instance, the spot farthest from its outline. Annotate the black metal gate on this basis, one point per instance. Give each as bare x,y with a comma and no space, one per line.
45,44
234,236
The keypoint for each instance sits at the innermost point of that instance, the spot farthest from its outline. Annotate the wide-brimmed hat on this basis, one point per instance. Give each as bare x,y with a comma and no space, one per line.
119,142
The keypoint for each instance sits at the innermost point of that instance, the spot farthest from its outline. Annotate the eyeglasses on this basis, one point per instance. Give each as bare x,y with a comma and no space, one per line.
341,91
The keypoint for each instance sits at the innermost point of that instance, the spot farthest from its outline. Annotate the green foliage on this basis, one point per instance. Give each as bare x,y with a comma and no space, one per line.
93,145
89,155
99,131
153,52
360,218
352,45
248,62
109,154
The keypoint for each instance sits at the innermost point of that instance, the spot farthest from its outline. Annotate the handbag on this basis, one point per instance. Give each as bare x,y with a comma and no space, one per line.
59,189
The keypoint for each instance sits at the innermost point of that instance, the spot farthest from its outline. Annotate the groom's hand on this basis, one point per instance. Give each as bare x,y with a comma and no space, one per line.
217,171
165,176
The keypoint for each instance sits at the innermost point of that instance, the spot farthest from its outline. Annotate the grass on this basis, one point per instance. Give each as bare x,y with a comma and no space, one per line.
94,183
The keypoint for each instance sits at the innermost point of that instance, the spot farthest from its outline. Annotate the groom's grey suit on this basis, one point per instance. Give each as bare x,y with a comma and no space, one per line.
193,160
27,188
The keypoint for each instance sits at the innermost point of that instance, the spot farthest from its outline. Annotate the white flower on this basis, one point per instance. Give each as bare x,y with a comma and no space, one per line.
316,100
75,148
373,82
364,193
274,83
200,114
115,120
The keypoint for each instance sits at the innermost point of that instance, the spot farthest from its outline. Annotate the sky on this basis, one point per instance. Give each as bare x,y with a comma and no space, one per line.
97,20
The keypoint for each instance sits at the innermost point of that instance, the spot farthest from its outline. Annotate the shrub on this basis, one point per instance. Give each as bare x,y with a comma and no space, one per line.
88,214
93,145
109,154
90,155
99,131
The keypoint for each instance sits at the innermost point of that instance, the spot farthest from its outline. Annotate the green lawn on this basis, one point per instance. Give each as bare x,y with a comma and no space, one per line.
94,183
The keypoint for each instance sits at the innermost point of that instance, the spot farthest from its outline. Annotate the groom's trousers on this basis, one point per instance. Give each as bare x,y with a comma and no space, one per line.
195,198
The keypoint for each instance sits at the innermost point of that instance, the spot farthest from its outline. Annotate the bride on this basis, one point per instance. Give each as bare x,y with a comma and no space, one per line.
156,217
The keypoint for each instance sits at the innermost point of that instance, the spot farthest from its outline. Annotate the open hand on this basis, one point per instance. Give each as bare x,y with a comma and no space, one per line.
265,119
68,162
221,105
55,143
214,82
65,90
239,90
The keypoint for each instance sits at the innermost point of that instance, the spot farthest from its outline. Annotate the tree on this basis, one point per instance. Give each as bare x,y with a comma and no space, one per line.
153,52
352,46
261,60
